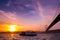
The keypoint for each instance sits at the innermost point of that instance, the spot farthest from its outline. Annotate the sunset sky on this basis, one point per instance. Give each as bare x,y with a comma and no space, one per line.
28,14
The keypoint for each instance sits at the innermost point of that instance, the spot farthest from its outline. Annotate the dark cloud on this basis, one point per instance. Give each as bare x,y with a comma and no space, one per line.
3,2
16,5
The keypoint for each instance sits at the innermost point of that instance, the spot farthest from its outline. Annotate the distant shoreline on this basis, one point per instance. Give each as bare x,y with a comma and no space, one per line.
50,31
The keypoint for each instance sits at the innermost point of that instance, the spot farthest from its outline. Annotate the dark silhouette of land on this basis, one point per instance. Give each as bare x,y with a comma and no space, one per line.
54,31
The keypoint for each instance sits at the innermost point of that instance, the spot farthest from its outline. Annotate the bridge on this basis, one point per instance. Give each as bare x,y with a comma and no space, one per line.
57,19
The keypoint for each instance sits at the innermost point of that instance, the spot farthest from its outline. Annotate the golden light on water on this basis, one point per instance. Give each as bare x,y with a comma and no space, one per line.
12,28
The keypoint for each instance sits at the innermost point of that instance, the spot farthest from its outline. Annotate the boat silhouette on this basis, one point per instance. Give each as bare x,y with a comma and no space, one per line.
28,33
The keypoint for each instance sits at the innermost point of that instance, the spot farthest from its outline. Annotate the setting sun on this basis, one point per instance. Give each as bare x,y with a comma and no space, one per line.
12,28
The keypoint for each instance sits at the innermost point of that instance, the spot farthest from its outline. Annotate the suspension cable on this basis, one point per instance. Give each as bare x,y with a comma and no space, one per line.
56,13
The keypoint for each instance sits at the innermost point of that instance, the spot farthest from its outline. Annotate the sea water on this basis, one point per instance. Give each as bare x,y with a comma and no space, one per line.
40,36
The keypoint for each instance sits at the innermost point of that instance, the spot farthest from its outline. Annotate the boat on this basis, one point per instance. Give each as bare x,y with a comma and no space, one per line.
28,33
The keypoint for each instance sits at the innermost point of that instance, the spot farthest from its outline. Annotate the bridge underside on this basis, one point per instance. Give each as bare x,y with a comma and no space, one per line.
57,19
